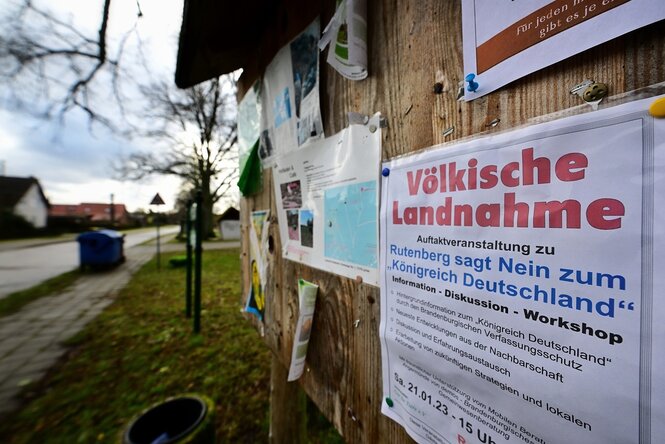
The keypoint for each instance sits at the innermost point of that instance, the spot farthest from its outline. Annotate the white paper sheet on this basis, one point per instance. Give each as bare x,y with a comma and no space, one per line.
290,97
327,196
521,284
504,40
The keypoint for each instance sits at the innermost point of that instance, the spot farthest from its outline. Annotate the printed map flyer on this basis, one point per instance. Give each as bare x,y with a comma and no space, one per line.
518,297
504,40
327,197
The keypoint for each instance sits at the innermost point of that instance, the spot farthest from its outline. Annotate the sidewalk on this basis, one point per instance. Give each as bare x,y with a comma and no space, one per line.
31,340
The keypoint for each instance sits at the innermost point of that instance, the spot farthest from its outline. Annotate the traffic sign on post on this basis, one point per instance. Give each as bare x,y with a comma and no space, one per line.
157,200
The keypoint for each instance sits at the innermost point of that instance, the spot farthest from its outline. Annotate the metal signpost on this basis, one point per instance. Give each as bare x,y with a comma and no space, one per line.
157,200
197,263
190,239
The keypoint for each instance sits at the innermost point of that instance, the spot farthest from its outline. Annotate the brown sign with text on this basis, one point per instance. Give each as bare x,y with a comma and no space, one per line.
537,27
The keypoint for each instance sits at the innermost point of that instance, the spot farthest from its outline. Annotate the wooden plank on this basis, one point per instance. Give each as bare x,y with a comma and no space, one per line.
288,415
413,45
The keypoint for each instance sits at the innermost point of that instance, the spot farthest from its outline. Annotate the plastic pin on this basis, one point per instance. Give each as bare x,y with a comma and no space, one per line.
389,402
385,172
472,85
657,108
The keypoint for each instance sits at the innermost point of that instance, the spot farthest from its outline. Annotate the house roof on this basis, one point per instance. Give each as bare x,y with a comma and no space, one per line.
102,211
65,210
12,189
217,37
94,211
230,214
221,36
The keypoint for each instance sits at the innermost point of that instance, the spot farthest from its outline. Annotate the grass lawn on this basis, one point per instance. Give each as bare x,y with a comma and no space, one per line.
141,350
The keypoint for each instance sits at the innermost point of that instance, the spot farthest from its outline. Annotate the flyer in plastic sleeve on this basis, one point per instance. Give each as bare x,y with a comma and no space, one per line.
346,36
258,259
307,303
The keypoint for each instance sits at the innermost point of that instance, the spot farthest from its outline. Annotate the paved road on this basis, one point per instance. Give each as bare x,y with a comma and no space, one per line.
28,265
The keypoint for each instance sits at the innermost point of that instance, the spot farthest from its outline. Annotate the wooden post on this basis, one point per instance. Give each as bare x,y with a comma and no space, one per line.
288,407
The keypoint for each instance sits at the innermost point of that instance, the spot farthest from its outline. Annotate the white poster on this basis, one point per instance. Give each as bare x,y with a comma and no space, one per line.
518,298
504,40
327,198
291,114
249,122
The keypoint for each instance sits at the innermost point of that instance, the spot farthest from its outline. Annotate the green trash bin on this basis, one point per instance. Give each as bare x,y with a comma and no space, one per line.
187,419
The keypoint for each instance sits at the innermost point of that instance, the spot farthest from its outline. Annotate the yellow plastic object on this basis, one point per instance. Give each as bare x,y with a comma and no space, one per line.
657,108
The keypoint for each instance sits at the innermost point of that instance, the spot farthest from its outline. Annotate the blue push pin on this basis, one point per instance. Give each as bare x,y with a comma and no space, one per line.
473,86
385,172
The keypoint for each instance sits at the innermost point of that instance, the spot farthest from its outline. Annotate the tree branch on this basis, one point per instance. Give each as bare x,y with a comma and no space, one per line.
36,38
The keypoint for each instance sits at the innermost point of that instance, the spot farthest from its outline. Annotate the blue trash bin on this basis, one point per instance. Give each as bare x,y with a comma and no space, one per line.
103,248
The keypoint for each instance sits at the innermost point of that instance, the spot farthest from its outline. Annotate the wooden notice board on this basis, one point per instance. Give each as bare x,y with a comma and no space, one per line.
415,64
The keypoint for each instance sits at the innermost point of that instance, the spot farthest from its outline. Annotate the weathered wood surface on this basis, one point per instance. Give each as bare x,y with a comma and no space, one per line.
413,45
288,404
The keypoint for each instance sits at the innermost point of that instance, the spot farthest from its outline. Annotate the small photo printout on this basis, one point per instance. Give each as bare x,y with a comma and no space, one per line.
306,228
291,194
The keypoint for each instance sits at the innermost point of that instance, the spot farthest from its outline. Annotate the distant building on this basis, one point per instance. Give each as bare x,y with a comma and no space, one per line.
60,210
67,218
24,197
93,212
229,224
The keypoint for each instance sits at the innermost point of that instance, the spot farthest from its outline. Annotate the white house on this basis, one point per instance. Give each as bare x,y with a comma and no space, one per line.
229,224
24,197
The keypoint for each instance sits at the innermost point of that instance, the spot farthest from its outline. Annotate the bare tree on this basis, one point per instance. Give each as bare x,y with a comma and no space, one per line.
49,60
199,127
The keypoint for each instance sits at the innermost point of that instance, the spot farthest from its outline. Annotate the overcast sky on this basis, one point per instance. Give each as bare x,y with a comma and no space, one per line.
72,163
